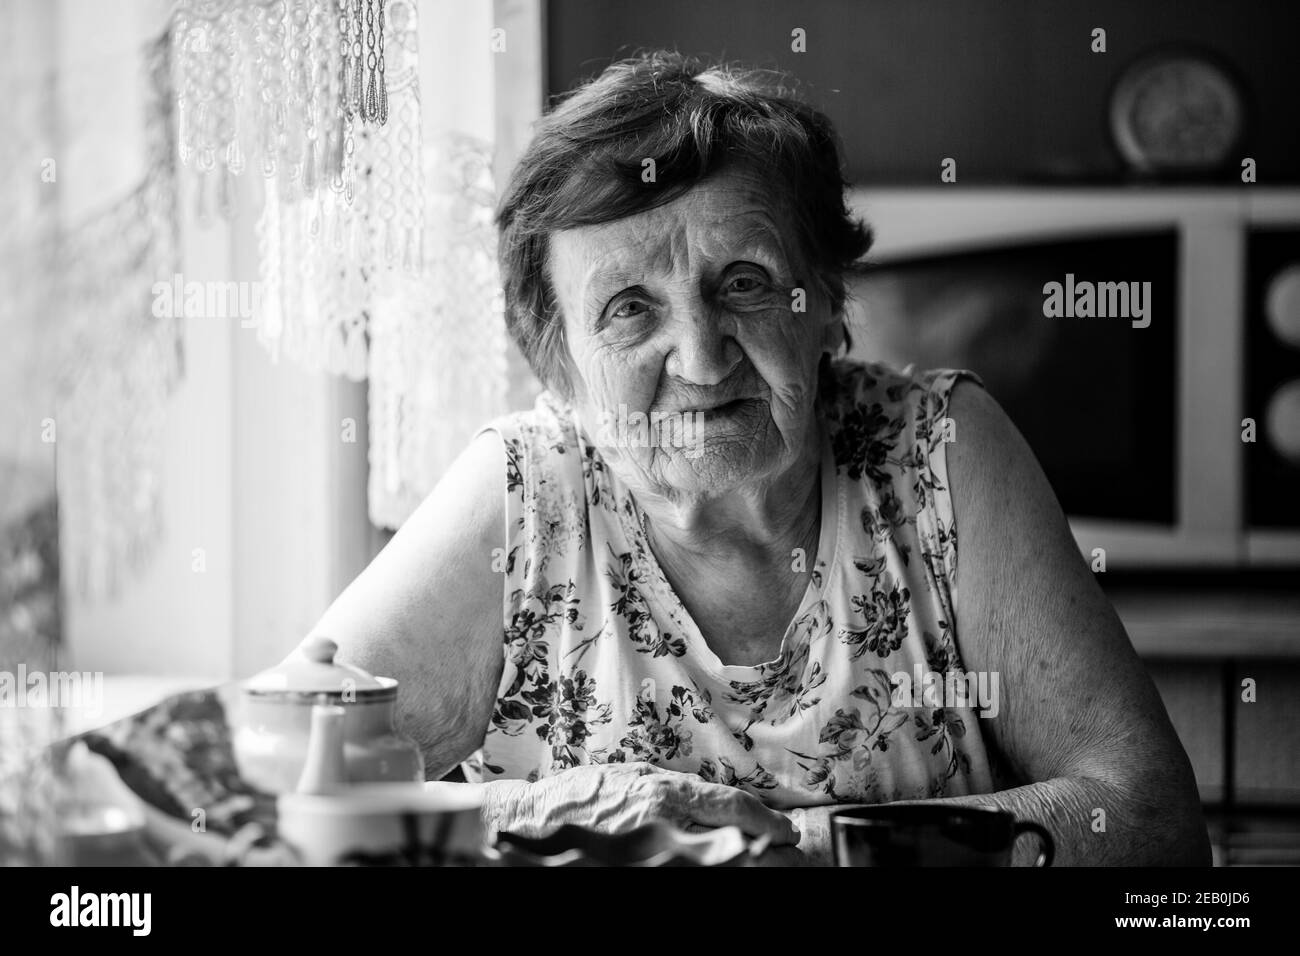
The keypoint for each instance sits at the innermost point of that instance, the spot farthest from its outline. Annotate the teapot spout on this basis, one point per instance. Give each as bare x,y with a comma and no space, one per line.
325,770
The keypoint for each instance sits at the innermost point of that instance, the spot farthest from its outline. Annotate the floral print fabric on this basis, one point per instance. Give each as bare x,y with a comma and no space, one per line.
602,663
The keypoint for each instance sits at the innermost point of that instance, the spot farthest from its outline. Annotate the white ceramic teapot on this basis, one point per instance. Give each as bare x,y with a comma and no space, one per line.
354,725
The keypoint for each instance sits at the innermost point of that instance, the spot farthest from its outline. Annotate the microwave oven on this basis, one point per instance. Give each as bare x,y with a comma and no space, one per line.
1146,341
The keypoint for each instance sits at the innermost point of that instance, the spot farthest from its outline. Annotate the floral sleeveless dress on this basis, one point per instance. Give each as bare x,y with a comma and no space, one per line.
603,663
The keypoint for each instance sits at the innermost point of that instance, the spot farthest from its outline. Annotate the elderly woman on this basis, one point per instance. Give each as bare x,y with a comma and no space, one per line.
712,576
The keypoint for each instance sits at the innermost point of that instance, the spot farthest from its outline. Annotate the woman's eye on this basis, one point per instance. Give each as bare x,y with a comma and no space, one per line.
630,309
745,283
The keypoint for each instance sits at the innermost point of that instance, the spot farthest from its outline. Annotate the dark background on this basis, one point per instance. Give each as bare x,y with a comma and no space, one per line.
1009,88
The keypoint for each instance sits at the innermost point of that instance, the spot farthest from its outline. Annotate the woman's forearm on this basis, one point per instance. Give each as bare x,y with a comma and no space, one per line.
1092,823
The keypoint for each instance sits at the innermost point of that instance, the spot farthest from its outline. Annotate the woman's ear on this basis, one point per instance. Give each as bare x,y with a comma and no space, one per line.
835,335
835,325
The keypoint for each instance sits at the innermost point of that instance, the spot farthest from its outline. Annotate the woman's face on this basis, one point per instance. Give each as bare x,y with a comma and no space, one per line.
694,333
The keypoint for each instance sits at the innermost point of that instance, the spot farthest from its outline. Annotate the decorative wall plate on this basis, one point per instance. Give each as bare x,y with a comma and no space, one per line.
1177,112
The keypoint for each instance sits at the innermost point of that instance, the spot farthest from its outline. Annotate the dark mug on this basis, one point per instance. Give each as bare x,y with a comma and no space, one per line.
930,835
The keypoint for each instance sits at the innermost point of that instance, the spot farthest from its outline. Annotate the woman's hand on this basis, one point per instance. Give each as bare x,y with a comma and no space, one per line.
612,798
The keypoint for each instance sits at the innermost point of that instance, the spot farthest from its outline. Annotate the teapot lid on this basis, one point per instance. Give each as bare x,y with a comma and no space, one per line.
311,669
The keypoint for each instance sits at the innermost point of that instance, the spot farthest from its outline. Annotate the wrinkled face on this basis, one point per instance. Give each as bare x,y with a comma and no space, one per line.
694,333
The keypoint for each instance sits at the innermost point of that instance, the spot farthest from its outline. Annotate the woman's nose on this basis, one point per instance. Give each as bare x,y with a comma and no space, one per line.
705,351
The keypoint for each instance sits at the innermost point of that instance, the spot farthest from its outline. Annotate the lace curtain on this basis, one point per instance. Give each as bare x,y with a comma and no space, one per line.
123,362
438,360
377,251
324,253
395,280
78,300
88,226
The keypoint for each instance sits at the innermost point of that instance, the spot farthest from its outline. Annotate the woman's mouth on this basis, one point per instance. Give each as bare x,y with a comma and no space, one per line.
728,413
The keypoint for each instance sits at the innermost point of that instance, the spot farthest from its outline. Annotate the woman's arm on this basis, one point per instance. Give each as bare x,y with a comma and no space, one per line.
1079,721
427,610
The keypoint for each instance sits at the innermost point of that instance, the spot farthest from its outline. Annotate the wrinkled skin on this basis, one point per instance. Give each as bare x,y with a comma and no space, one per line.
685,308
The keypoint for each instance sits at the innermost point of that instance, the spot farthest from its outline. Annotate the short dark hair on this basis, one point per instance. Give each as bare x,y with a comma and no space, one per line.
585,162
